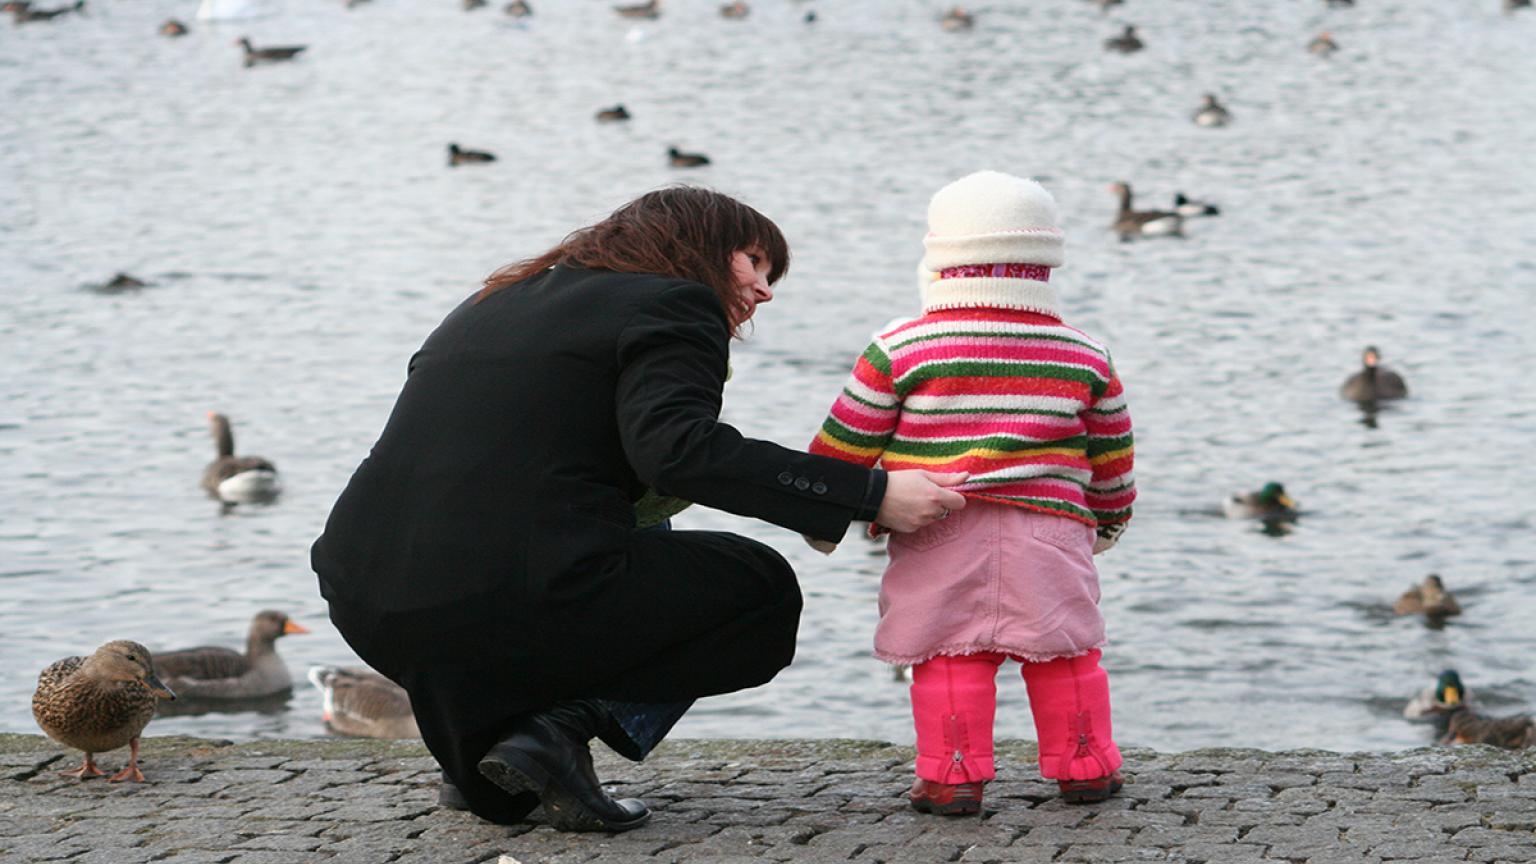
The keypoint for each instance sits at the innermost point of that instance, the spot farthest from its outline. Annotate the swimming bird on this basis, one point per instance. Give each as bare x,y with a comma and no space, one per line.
810,17
1269,503
236,478
99,703
1512,5
957,19
274,54
736,10
1340,4
26,14
613,115
1436,702
1374,382
678,159
362,703
210,672
470,5
11,7
650,9
1188,207
172,27
1468,727
1428,598
1211,112
1126,43
121,282
1131,223
518,9
458,155
1322,44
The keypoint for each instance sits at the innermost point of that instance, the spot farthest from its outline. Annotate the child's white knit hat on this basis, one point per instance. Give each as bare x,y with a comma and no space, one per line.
992,218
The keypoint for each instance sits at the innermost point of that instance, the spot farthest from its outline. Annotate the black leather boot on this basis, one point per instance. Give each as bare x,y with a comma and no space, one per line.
546,753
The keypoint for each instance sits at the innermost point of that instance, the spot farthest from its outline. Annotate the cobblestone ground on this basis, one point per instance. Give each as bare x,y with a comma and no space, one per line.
734,802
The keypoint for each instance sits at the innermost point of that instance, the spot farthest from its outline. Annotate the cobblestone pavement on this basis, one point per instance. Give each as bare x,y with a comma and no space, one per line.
733,802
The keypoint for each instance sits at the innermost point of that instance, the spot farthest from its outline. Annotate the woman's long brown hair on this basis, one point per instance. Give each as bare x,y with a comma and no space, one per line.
683,231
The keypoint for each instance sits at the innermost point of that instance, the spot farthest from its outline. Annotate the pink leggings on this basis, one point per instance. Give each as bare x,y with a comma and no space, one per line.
954,700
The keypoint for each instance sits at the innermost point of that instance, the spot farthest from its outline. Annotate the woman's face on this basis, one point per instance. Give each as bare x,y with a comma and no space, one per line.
750,269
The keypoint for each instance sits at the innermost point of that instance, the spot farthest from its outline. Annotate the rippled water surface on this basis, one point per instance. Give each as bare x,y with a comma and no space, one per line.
303,234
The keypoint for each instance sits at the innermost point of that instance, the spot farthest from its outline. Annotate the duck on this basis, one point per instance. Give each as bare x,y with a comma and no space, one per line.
1322,44
1104,5
1374,382
172,27
121,281
651,9
1131,223
458,156
1466,726
1126,43
11,7
210,672
471,5
957,19
1512,5
1435,703
1211,112
736,11
1427,598
362,703
273,54
1270,503
1188,207
518,9
25,13
99,703
678,159
1339,4
616,114
810,17
236,478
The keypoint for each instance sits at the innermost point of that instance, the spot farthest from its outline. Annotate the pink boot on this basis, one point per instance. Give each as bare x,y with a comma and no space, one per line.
954,700
1070,700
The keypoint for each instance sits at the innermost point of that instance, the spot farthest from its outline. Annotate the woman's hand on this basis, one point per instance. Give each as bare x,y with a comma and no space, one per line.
915,499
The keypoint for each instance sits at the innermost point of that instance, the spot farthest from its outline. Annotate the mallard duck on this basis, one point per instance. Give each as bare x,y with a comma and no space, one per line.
1126,43
1131,223
678,159
458,155
471,5
172,27
210,672
1512,5
26,14
518,9
99,703
121,282
1511,733
362,703
615,114
650,9
1211,112
1269,503
1373,383
236,478
1435,703
737,10
1322,44
1188,207
273,54
957,19
1427,598
1340,4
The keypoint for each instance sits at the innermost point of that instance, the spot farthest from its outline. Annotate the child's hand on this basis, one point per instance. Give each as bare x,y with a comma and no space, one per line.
825,547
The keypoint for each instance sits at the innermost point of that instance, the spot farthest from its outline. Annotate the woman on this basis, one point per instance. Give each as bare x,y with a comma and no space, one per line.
485,555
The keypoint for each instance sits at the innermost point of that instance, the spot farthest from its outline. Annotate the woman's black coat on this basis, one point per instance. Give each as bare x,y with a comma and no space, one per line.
485,556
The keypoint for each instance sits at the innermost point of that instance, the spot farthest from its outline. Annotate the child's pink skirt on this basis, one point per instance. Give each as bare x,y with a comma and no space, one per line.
990,577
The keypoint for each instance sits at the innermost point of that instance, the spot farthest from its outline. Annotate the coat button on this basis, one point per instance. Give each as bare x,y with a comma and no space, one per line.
802,484
786,478
819,488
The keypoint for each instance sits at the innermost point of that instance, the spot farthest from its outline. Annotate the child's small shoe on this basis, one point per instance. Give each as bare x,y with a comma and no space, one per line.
1090,791
945,799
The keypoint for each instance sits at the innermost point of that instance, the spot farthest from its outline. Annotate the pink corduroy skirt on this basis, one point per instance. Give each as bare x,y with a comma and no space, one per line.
990,577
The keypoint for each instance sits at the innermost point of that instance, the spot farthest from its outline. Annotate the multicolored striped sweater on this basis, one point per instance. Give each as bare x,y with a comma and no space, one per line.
1030,407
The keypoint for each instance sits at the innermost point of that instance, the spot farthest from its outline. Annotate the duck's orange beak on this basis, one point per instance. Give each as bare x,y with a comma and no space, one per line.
1287,501
289,627
1452,696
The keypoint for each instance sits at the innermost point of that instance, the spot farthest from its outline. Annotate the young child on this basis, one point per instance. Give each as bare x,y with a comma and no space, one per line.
989,381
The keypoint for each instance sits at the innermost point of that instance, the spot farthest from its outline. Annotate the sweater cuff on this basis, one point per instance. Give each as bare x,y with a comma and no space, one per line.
874,494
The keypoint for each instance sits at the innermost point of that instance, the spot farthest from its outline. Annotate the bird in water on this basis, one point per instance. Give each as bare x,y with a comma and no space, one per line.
1435,703
1270,503
363,704
272,54
1449,706
1130,223
121,282
957,19
1322,44
649,10
1126,43
25,13
1188,207
518,9
1512,5
1211,112
236,478
459,156
736,10
211,672
1374,382
99,703
616,114
1428,598
678,159
172,27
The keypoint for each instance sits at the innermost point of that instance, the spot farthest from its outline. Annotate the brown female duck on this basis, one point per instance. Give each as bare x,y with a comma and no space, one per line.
236,478
362,703
1511,733
649,10
211,672
99,703
1428,598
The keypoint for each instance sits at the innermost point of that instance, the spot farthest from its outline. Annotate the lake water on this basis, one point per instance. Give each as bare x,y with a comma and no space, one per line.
302,234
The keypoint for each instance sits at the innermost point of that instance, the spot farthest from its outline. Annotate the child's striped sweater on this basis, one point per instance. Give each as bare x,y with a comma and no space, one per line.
1030,407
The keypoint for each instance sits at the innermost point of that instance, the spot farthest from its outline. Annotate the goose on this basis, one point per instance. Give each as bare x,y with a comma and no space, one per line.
737,10
678,159
518,9
1269,504
650,9
25,13
99,703
1322,44
1374,382
458,155
957,19
1126,43
1131,223
613,115
274,54
210,672
1211,112
1188,207
1428,598
236,478
362,703
172,27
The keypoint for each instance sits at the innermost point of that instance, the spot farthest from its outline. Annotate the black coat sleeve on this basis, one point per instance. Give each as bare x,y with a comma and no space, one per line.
672,366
